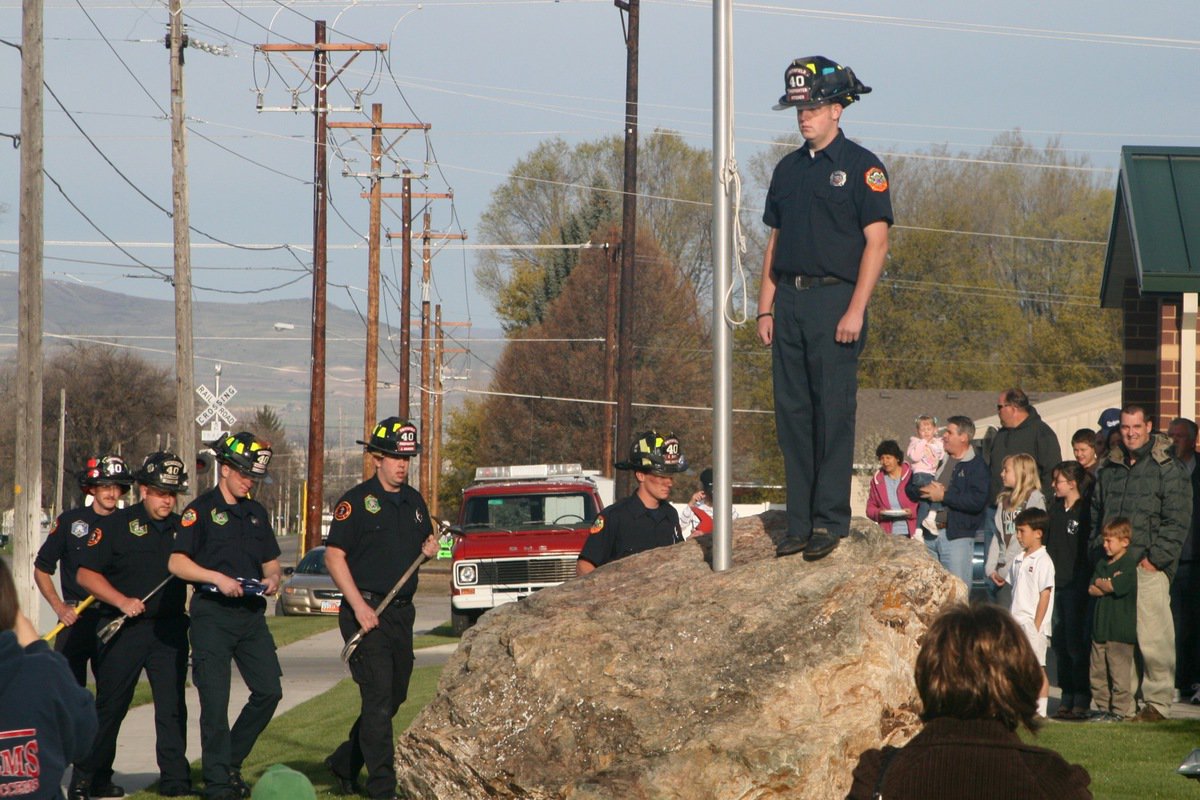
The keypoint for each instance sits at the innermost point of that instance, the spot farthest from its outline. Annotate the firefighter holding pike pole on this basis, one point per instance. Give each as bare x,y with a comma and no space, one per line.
106,479
227,548
142,626
381,532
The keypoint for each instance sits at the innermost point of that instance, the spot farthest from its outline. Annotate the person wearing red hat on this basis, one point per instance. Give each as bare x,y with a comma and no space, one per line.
829,209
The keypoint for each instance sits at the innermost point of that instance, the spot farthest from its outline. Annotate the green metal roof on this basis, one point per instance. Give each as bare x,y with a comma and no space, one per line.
1155,234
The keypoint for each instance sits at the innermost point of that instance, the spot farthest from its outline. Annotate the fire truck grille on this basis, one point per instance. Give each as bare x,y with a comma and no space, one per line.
520,571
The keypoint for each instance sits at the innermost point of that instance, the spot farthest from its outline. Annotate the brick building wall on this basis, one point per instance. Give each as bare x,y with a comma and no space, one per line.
1151,371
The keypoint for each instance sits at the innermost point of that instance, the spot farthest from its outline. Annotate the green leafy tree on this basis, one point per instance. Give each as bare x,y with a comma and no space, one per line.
560,192
534,418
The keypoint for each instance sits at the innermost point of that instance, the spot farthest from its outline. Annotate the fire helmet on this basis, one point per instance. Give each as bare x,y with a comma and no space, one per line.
660,455
107,470
163,470
393,437
245,453
816,80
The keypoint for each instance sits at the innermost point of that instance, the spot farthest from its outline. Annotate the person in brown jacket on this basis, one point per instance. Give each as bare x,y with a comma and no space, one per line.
978,680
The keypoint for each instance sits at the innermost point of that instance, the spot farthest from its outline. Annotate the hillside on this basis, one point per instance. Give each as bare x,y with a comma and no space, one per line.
268,366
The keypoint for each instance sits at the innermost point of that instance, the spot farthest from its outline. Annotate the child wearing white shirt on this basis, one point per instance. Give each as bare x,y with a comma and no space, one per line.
1031,576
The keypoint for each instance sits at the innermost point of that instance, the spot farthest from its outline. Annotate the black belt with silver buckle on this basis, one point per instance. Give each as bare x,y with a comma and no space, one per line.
803,282
373,599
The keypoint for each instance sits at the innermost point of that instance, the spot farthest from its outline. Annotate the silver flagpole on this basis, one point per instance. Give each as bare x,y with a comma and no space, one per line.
722,334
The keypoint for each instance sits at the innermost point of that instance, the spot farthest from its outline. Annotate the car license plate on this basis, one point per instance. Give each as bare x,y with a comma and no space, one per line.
330,606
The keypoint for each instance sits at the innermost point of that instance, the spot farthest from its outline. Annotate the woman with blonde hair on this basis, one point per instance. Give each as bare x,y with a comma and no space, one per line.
978,680
1021,491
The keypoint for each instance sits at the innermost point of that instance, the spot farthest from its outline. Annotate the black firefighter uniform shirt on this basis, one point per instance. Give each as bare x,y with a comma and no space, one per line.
234,539
381,533
132,552
627,527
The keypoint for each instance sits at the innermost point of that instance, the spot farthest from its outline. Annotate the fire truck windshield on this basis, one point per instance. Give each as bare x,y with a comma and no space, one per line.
512,511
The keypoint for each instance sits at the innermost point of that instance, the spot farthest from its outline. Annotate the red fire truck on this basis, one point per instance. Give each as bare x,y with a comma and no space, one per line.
520,529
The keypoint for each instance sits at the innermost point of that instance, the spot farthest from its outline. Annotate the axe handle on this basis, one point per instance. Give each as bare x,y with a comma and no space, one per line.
348,650
116,624
57,629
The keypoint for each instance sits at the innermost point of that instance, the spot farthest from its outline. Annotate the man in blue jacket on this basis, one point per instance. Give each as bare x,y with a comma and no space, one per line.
962,487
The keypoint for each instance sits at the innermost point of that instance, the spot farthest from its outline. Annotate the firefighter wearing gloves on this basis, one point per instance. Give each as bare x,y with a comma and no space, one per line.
226,547
379,529
645,519
124,564
106,479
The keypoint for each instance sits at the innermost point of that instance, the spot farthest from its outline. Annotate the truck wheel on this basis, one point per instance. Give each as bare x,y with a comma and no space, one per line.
461,620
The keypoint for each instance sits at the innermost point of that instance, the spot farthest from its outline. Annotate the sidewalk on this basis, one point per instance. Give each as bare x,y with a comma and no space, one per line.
310,666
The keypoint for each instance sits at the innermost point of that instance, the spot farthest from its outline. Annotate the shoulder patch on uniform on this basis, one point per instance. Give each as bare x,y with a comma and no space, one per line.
876,180
371,503
95,538
219,517
598,525
53,528
342,512
189,518
79,529
417,516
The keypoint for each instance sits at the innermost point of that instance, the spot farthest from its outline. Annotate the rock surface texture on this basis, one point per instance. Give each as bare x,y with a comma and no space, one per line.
655,677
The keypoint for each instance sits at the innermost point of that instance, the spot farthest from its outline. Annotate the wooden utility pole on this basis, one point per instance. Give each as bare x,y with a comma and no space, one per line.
610,365
377,127
27,451
435,440
624,485
405,236
185,379
58,461
316,405
426,380
372,376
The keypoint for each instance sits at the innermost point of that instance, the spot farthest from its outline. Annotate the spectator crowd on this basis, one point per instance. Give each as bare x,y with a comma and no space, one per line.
1095,556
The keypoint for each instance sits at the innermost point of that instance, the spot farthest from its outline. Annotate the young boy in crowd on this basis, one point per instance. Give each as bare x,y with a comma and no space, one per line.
1031,576
1114,624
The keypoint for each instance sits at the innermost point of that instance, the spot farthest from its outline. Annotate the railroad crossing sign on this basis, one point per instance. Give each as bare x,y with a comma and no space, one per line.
216,412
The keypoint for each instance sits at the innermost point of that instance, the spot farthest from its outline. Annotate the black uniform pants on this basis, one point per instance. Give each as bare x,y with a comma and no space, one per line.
816,385
224,632
159,646
78,644
382,665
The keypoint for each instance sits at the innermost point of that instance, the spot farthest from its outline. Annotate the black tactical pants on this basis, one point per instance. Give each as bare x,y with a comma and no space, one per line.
381,666
224,631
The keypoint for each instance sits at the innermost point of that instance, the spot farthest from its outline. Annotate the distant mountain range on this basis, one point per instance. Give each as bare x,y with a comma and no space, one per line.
264,349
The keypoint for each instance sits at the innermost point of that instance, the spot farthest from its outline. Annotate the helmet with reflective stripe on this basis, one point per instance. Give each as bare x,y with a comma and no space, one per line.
107,470
393,437
244,452
660,455
816,80
163,470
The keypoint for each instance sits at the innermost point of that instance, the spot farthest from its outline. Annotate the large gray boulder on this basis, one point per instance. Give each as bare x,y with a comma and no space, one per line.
655,677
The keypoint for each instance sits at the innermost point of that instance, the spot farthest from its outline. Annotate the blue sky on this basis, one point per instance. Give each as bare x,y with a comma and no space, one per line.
495,78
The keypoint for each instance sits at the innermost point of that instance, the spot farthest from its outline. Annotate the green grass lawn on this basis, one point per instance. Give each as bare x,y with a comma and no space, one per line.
1127,761
302,737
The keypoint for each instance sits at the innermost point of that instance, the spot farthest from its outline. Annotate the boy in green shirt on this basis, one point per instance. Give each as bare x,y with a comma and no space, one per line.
1114,625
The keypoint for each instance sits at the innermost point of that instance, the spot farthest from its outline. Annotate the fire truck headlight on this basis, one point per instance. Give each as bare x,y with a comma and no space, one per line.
467,575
